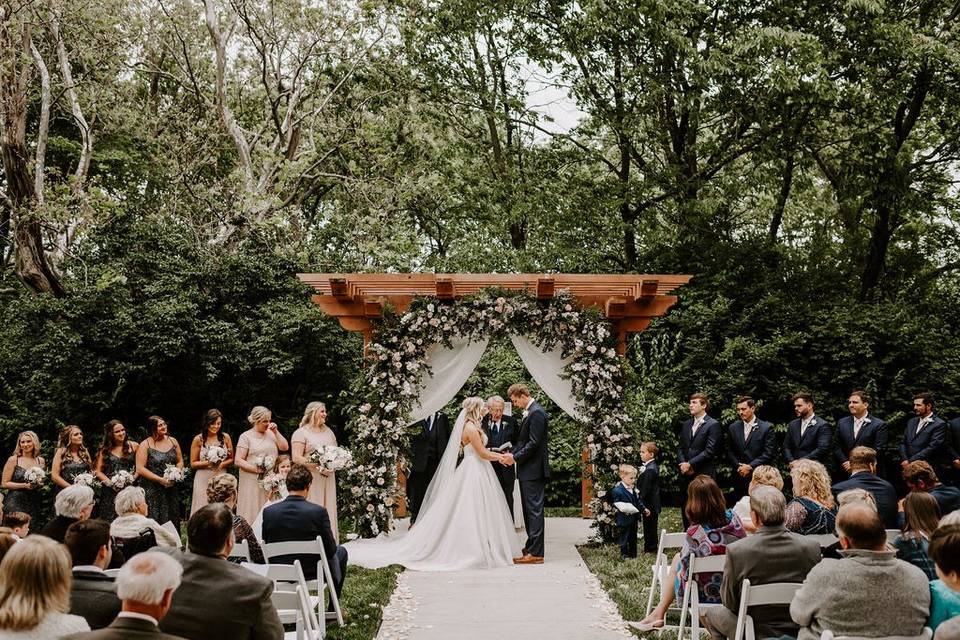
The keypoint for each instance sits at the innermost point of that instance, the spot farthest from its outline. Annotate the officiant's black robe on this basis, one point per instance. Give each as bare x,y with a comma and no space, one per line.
497,437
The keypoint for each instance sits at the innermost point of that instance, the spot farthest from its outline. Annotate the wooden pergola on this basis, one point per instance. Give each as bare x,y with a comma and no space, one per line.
629,302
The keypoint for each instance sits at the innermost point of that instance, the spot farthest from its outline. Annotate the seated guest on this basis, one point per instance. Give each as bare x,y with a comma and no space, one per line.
71,504
921,516
772,555
35,592
920,476
223,488
18,522
863,475
850,496
243,611
145,584
764,475
294,518
712,528
812,510
93,594
7,540
869,593
945,592
131,507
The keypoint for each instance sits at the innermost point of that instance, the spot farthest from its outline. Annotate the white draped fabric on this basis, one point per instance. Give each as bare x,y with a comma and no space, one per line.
450,369
546,367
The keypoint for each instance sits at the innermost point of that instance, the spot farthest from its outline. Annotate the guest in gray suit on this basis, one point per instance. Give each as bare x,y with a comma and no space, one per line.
869,593
773,554
145,584
93,593
243,608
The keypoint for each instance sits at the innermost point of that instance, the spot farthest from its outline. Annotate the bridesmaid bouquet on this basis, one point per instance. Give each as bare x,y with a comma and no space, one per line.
87,480
263,463
35,476
271,483
214,453
174,473
331,458
121,479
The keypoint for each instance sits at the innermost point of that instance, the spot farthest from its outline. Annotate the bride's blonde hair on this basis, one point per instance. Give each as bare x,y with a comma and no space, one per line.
473,406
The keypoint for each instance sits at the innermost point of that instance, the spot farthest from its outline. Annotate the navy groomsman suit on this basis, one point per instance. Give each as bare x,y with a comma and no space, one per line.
873,434
882,491
928,444
814,443
759,448
649,486
427,441
701,450
499,434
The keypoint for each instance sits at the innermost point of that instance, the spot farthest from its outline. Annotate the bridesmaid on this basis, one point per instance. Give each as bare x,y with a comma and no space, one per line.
71,458
21,495
312,435
211,434
117,453
262,439
153,456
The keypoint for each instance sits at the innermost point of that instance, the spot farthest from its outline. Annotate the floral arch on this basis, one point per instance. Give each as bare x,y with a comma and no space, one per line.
398,342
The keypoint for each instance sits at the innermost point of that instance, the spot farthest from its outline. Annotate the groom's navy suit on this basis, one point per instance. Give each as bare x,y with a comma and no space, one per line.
533,469
499,434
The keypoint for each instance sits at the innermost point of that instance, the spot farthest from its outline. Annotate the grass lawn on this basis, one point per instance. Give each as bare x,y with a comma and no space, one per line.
365,593
627,581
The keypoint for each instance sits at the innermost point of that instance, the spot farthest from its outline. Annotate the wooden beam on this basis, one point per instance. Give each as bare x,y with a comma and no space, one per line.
545,288
444,288
615,308
648,289
338,288
372,308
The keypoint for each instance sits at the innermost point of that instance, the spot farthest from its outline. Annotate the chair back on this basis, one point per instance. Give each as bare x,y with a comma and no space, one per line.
763,594
892,534
927,634
241,550
707,564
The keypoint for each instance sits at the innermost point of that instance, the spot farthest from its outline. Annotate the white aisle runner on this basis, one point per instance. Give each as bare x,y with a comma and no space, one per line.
559,599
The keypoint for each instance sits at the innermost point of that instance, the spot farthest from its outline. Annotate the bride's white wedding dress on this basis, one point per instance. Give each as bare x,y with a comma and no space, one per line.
464,522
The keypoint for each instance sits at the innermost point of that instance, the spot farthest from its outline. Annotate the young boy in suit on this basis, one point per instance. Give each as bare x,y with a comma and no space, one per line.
626,492
649,485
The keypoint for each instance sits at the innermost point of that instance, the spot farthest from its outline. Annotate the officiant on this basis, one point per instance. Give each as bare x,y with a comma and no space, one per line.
428,440
501,429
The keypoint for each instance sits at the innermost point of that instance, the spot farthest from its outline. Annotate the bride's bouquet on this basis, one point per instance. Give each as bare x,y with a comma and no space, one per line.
35,477
214,453
121,479
87,480
173,473
331,458
263,463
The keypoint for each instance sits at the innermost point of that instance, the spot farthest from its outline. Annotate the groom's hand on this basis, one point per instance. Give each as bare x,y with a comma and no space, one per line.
508,460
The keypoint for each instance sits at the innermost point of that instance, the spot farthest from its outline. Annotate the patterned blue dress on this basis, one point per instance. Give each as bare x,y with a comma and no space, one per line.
162,503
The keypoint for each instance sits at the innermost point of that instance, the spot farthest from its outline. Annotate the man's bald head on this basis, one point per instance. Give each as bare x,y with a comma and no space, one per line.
861,527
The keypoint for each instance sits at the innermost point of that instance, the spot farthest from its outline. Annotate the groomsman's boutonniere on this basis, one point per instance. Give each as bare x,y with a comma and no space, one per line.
526,413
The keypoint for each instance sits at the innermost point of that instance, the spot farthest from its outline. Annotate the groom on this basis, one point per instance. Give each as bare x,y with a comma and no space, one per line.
533,469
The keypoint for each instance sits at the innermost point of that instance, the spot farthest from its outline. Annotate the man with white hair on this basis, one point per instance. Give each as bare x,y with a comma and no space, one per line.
72,504
771,555
145,584
501,429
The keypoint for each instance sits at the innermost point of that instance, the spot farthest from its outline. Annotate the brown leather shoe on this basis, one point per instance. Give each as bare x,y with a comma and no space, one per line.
528,559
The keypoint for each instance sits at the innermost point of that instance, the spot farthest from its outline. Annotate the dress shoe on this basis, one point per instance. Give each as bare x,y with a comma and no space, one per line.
528,559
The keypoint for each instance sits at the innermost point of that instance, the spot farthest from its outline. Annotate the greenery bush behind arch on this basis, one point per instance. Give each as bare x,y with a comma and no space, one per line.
390,382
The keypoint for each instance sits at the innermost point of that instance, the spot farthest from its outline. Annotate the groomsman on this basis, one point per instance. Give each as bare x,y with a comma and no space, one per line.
925,435
809,436
751,443
429,439
953,451
859,429
500,430
700,441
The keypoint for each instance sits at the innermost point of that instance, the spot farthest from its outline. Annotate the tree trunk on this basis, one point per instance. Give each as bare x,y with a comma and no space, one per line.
785,186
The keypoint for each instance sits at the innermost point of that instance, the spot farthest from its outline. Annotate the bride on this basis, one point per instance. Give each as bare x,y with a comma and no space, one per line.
464,522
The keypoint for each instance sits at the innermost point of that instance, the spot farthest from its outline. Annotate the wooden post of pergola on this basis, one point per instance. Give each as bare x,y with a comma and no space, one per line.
629,302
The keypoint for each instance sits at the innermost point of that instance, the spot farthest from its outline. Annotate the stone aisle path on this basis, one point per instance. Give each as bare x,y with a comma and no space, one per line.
559,599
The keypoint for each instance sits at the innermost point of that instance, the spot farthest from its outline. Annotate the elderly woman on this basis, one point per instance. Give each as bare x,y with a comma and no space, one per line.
35,592
131,505
223,488
764,475
72,504
812,510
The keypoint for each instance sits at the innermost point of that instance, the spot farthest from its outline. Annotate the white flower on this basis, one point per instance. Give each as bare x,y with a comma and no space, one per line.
173,473
121,479
35,476
214,453
86,479
365,407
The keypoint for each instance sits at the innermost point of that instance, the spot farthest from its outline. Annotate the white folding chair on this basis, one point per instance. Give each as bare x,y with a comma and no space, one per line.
324,580
823,539
763,594
287,604
691,593
111,572
892,534
241,550
927,634
289,577
661,566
